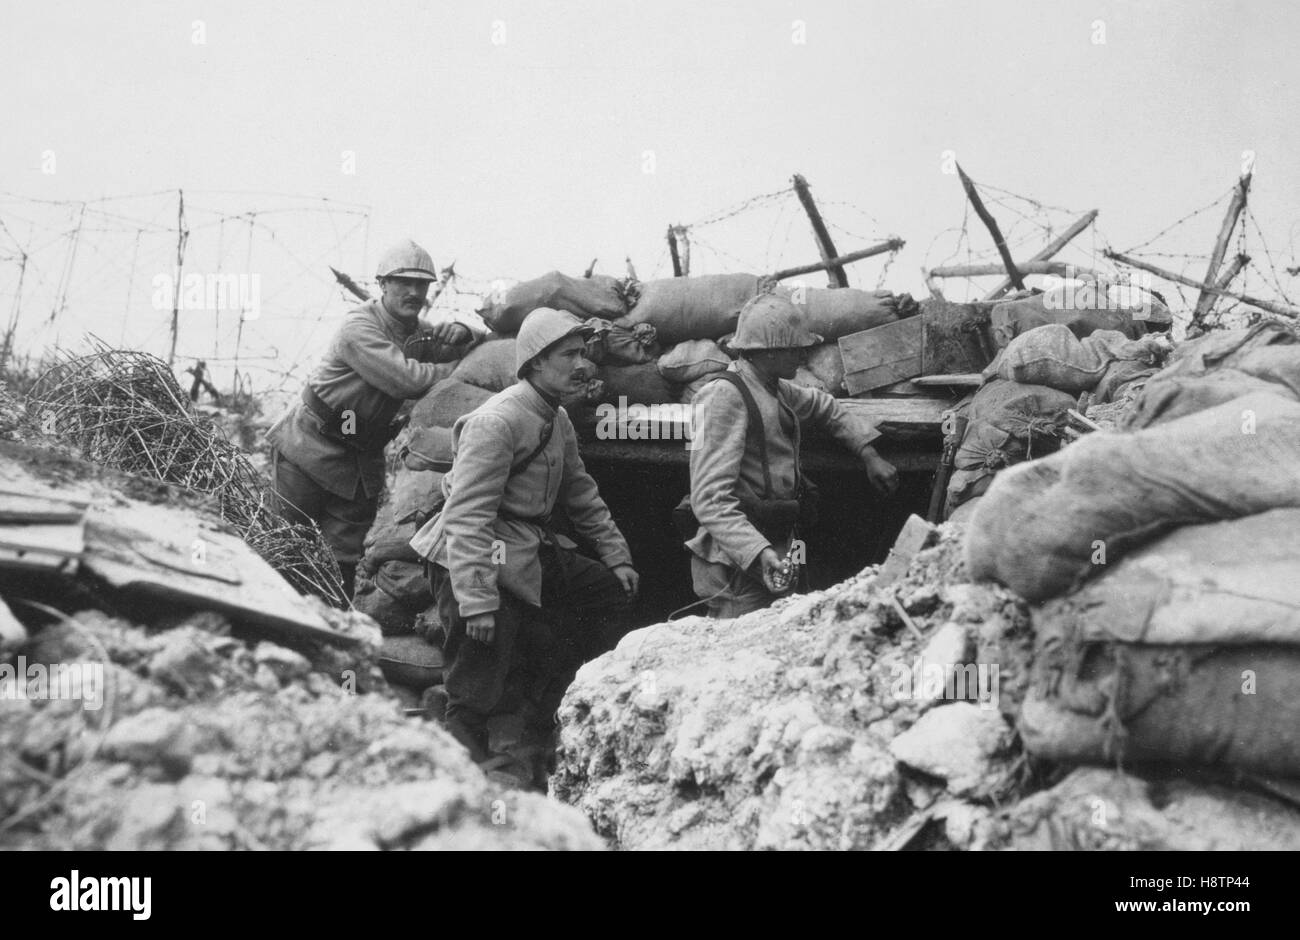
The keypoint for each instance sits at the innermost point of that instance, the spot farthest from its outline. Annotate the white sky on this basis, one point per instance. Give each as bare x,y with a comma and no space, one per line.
519,156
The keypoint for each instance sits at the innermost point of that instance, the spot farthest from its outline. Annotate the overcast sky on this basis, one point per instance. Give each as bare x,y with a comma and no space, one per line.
521,137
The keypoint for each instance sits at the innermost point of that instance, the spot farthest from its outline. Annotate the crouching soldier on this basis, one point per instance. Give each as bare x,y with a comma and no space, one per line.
520,608
747,488
327,458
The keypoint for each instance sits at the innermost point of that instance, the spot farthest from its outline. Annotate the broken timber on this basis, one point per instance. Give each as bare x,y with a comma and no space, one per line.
1205,302
1050,250
991,224
1262,304
823,237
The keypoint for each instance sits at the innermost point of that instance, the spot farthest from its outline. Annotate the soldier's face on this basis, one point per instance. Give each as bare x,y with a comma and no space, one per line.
562,370
784,363
405,296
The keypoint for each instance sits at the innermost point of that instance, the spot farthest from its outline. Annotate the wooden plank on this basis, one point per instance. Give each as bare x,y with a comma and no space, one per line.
65,539
991,224
1205,302
894,244
21,507
1270,306
956,380
918,413
177,556
824,244
882,355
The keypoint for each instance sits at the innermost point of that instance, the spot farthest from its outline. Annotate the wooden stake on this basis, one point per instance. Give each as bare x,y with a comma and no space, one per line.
892,245
182,236
352,287
1231,271
1188,282
1050,251
991,224
1205,302
684,244
1058,268
823,237
672,251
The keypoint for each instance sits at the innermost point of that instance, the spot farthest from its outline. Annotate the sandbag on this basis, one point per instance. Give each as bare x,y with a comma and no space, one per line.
827,363
405,582
1052,355
387,540
1218,367
426,449
630,345
691,389
1007,423
447,402
682,308
414,494
1231,582
1045,526
640,384
836,312
411,661
596,296
394,617
490,366
1008,320
1122,381
1221,706
693,359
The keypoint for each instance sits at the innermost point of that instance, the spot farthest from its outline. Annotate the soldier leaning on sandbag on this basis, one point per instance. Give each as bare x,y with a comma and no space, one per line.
327,458
748,493
520,608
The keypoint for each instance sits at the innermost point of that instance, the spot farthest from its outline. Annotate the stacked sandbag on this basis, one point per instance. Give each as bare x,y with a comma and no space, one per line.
1186,651
490,366
1052,355
1217,368
391,586
595,296
1046,526
624,345
1083,314
640,384
1006,423
682,308
836,312
692,360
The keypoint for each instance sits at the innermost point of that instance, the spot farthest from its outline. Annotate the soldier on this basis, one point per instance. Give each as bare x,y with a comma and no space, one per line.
747,488
521,609
327,460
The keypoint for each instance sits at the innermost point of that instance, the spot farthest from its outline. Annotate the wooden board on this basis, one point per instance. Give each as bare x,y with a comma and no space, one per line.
956,380
916,413
882,355
28,507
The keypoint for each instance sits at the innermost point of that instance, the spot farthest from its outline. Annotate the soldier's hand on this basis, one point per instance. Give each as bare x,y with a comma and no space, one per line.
449,334
627,577
481,627
769,564
881,474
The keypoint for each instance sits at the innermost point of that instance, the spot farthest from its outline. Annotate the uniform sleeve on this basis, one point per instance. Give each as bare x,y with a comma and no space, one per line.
483,456
717,449
587,511
372,355
813,406
445,352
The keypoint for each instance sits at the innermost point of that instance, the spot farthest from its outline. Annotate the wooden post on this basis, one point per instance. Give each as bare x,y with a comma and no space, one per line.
1050,251
672,251
684,245
824,244
1058,268
1188,282
1205,302
182,235
991,224
352,287
1231,271
892,245
13,317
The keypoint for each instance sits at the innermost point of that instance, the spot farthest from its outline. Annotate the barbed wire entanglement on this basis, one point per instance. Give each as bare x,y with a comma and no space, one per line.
125,410
242,277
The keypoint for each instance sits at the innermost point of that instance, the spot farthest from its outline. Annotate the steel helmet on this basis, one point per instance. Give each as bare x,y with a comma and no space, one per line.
770,321
541,330
407,259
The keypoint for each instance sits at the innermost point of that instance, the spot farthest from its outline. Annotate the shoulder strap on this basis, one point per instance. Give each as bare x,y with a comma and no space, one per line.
754,428
547,431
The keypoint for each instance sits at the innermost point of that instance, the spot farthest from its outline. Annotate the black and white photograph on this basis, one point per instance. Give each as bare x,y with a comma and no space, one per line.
786,425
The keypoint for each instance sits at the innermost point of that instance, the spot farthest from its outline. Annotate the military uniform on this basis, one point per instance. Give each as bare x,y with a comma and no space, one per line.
366,372
492,550
725,469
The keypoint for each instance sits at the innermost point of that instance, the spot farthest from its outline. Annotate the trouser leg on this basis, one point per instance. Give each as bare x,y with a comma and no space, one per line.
476,673
343,522
728,591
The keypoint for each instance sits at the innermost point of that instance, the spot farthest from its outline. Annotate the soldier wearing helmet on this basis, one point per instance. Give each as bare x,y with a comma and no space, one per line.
521,609
746,482
327,460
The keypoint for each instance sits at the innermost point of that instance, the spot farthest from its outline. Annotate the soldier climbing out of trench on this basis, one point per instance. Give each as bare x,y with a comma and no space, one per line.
327,460
520,607
748,494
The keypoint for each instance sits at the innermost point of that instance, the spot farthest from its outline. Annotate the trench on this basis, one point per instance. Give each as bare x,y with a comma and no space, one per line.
642,482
